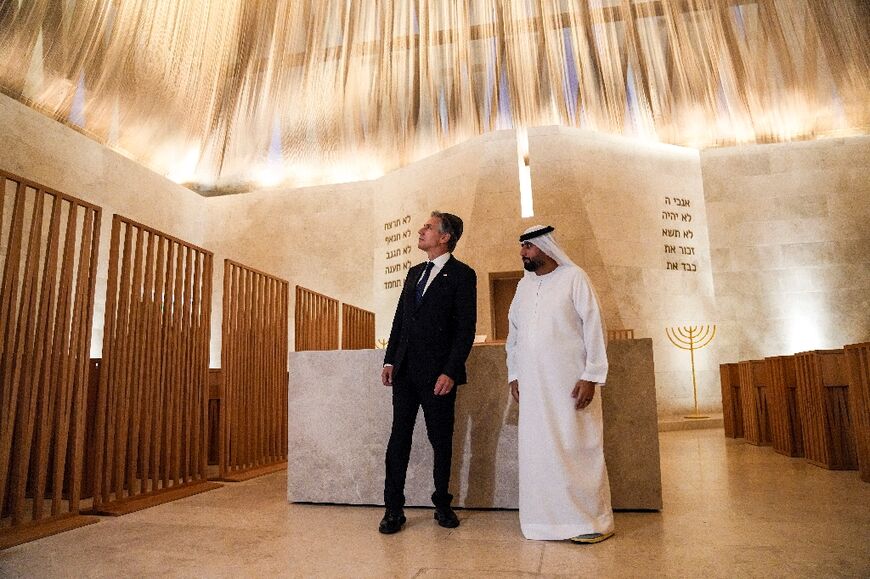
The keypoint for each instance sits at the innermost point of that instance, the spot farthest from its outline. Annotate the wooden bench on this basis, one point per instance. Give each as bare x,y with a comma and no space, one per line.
823,393
786,431
858,362
732,409
754,383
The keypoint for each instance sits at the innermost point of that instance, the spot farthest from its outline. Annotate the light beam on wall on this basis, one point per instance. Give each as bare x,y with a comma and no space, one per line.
526,206
804,333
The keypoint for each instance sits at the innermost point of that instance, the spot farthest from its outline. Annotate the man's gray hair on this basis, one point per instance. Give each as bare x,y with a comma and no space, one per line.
451,225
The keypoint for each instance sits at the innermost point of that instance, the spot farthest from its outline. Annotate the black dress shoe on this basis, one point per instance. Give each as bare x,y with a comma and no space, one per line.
392,522
446,517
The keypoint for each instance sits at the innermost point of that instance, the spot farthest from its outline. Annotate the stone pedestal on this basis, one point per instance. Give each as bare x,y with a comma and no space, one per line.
339,424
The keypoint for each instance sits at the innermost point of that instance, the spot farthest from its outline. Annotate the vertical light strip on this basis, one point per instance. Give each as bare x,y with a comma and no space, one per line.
526,206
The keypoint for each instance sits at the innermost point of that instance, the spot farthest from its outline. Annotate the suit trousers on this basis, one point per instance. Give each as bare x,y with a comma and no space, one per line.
410,392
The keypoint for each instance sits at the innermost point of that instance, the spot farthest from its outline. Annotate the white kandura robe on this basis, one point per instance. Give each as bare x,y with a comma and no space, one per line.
556,338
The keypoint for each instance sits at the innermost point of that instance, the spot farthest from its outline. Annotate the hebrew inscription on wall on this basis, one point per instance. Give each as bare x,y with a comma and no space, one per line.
398,248
678,235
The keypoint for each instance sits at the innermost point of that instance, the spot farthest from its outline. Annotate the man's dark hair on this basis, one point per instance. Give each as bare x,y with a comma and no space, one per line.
451,225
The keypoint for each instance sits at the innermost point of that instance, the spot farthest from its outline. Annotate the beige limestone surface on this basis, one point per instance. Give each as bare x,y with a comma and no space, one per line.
340,416
730,510
790,244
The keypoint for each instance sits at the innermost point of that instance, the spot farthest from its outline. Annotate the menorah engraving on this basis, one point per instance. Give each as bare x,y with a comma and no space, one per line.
381,344
692,338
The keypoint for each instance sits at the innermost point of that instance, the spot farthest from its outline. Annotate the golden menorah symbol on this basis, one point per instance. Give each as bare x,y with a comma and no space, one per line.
381,344
692,338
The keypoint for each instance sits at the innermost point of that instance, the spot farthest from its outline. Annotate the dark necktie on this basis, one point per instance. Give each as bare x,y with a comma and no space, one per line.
421,285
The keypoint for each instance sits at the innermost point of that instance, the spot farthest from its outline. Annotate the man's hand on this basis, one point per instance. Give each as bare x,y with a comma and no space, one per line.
584,392
387,375
515,390
443,385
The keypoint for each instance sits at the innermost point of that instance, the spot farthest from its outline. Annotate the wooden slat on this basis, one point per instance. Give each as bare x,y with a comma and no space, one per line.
822,381
46,304
732,409
357,328
253,367
103,402
785,423
23,365
858,361
47,395
754,381
8,317
620,335
84,380
153,391
316,321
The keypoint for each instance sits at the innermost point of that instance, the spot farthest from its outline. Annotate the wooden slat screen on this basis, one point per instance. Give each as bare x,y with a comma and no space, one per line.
620,335
822,381
858,361
732,407
49,243
151,422
254,364
357,328
785,420
753,393
316,321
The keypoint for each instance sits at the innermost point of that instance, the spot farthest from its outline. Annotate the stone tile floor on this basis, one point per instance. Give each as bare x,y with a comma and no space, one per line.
731,510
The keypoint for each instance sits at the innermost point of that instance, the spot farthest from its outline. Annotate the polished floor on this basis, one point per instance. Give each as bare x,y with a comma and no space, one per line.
731,510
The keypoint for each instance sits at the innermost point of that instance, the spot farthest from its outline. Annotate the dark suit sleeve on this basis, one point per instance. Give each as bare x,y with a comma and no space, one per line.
465,324
396,331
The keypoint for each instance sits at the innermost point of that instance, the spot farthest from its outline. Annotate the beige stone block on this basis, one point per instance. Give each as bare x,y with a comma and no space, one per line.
851,204
340,420
822,253
848,153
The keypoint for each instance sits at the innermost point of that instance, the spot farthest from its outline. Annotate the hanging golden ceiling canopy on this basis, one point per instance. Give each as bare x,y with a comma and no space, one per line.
227,95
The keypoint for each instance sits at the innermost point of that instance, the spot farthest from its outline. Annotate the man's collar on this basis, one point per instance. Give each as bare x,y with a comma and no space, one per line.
442,259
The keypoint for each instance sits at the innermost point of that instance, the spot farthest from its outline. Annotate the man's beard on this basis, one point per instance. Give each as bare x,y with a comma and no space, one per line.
531,264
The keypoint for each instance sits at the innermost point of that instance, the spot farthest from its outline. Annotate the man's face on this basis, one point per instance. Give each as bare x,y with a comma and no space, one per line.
533,258
430,235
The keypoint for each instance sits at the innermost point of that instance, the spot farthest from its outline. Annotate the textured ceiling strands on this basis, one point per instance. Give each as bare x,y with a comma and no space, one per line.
230,95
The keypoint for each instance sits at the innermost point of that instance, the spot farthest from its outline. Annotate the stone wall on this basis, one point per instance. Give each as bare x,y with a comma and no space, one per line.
790,244
42,150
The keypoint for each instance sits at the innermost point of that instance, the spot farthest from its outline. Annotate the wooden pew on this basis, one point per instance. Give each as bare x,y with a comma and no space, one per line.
858,361
732,409
754,381
215,395
823,399
785,418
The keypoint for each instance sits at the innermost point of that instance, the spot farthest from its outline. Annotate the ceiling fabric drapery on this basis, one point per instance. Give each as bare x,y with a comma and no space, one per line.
229,95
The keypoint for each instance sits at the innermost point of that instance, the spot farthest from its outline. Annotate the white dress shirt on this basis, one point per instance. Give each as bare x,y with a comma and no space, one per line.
437,266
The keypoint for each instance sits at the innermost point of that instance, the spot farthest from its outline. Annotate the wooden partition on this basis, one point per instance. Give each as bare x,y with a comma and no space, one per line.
858,361
823,397
732,406
316,321
49,243
151,420
357,328
253,414
215,398
754,381
786,431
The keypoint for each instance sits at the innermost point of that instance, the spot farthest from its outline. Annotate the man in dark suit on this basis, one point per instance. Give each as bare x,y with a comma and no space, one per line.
432,333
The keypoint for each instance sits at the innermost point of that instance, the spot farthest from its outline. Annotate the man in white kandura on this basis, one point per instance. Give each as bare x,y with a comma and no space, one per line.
556,356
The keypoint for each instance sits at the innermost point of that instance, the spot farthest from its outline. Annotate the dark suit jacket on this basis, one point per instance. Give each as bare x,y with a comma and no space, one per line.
435,337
